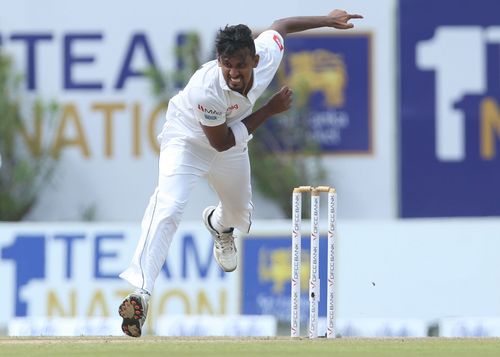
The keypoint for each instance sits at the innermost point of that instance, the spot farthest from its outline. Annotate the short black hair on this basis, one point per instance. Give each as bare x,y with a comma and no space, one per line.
232,39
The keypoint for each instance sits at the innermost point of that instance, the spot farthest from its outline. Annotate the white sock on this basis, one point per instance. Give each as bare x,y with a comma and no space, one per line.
145,294
217,226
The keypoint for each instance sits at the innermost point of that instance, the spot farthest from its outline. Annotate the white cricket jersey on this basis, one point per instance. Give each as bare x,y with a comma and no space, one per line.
207,99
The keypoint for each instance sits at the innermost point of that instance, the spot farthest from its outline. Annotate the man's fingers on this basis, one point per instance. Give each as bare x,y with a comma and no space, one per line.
355,16
285,92
283,98
284,89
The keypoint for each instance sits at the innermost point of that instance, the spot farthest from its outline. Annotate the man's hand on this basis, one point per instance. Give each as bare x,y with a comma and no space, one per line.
280,101
341,19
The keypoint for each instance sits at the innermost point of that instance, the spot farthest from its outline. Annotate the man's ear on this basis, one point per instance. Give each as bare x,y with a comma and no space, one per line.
218,61
256,61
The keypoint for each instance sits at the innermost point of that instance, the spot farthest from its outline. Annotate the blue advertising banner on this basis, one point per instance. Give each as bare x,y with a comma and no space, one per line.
331,78
71,271
265,277
450,111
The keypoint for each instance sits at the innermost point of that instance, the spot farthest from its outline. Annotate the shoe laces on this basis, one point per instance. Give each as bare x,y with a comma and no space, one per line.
225,242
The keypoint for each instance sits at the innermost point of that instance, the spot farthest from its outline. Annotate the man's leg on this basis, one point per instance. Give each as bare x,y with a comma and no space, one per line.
230,178
158,227
178,173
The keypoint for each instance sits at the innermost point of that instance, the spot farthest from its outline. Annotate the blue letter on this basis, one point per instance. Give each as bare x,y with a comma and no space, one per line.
138,40
28,254
99,254
166,270
70,59
188,246
69,250
31,41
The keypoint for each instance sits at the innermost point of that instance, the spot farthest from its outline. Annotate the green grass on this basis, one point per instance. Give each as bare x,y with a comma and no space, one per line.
255,347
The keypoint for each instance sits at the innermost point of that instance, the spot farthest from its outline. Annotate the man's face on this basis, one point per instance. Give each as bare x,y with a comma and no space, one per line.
237,70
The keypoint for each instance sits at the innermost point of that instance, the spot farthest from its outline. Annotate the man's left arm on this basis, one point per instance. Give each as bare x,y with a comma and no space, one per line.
338,19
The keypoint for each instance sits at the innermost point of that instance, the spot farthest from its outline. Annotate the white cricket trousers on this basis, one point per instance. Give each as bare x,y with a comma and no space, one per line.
183,163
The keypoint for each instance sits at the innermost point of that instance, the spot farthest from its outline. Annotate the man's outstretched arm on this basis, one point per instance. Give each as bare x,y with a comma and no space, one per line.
338,19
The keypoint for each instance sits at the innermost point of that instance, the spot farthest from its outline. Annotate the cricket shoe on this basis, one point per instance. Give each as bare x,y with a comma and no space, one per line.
133,310
224,248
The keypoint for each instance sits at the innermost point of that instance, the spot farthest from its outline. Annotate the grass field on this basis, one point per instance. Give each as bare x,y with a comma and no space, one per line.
256,347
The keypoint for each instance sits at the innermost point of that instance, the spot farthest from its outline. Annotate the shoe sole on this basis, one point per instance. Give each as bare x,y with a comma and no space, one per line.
131,311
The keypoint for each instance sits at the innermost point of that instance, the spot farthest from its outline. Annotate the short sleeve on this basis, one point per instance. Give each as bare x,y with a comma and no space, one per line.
270,41
208,109
269,46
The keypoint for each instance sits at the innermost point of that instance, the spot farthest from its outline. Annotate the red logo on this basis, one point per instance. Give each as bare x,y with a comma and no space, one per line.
208,111
276,39
232,107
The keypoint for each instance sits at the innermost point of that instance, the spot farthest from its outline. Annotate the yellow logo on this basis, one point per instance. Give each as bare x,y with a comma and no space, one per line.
316,71
275,266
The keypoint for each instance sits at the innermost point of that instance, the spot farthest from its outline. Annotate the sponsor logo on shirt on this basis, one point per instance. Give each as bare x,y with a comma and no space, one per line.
211,112
232,107
278,42
210,117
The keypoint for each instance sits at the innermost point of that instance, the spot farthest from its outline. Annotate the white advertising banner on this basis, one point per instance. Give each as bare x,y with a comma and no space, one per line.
205,325
388,275
71,271
469,327
373,327
91,58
